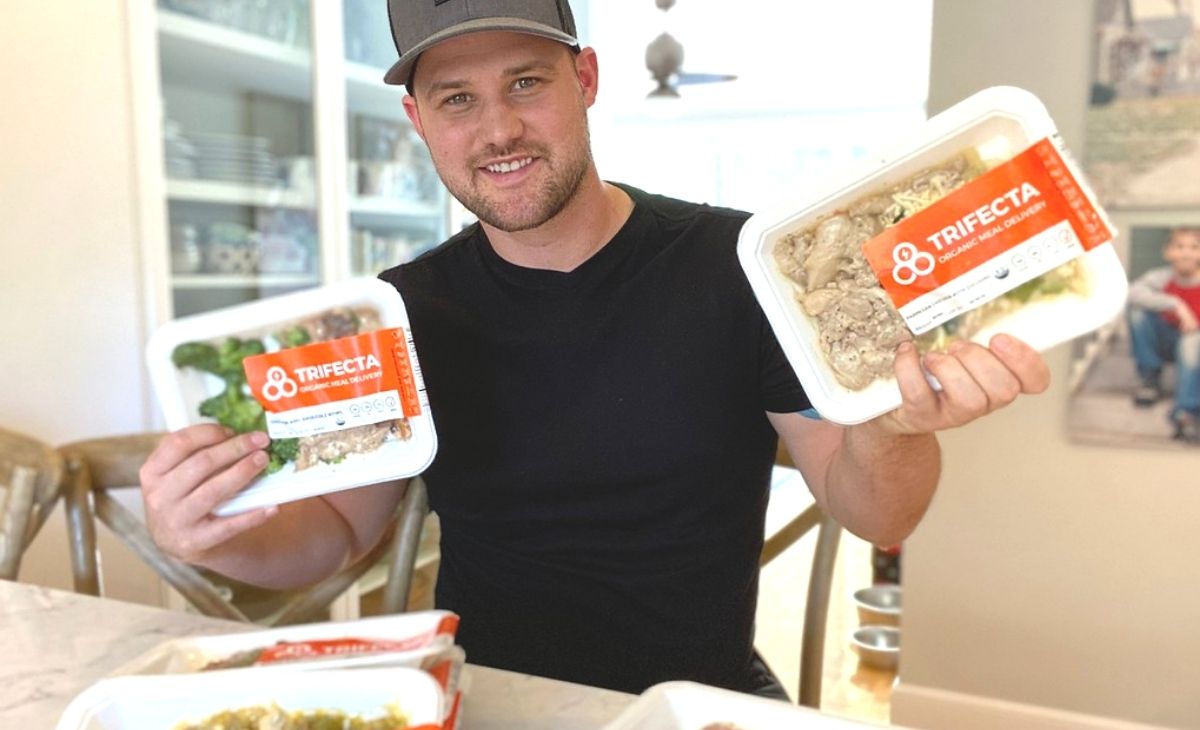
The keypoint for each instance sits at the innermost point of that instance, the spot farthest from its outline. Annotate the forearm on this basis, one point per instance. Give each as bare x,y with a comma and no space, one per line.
879,484
306,542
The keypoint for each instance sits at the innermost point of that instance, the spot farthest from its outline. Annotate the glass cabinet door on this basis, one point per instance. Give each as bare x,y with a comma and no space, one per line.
398,206
238,135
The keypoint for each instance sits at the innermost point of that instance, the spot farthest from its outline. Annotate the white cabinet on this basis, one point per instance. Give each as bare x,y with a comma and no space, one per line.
282,159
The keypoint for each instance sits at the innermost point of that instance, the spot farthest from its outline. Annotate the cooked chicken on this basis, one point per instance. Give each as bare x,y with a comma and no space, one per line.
334,446
858,326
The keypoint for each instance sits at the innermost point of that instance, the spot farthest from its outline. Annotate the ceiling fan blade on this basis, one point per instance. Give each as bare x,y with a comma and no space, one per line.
684,78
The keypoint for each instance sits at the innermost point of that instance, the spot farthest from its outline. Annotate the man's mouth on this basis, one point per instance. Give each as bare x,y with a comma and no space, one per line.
506,167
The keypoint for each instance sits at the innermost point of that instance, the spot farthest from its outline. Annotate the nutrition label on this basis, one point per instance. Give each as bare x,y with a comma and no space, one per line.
335,416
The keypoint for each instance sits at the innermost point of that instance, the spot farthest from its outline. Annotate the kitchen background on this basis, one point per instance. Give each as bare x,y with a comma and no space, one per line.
1048,577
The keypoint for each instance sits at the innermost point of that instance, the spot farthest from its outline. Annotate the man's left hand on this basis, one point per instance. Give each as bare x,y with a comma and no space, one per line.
975,381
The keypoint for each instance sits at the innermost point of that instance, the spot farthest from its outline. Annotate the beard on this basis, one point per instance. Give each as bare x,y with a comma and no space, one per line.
563,175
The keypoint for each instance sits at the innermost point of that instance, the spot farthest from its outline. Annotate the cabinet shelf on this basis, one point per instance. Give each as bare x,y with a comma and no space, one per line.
209,191
242,281
376,211
367,94
200,54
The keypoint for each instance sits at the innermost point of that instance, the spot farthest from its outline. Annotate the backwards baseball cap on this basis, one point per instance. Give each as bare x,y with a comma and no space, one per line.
418,25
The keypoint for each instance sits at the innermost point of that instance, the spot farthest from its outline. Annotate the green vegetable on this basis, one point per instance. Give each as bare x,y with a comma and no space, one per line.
233,407
293,337
198,355
280,452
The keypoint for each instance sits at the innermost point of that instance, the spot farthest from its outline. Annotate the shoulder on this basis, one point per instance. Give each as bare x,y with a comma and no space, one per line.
435,264
673,214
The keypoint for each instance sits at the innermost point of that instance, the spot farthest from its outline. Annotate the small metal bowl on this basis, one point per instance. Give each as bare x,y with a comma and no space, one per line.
878,605
878,646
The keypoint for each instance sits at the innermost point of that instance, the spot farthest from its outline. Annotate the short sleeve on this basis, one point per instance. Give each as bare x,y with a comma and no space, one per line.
779,389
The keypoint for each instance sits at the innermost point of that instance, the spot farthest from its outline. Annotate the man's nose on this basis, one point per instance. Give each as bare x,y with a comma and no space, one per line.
501,124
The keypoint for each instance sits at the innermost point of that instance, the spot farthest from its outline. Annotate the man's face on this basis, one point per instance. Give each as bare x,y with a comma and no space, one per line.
505,118
1183,252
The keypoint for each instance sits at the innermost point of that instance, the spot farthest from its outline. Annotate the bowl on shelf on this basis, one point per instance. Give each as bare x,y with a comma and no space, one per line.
877,646
878,605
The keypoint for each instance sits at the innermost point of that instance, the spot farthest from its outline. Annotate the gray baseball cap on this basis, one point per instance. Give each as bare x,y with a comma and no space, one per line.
418,25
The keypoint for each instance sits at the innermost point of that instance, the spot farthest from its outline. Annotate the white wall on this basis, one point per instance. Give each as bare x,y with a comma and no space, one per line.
70,305
1047,574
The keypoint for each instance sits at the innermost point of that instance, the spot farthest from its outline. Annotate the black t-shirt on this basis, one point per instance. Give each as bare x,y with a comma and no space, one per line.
604,457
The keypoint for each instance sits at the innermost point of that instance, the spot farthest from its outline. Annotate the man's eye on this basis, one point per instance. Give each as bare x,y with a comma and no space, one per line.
456,100
525,83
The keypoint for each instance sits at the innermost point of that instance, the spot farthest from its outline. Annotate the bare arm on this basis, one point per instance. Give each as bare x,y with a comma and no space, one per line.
195,469
878,478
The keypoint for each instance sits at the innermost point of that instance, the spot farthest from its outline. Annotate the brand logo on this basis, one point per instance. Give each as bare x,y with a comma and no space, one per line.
278,385
910,263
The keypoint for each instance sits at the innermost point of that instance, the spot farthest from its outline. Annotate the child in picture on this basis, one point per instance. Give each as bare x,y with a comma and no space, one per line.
1164,326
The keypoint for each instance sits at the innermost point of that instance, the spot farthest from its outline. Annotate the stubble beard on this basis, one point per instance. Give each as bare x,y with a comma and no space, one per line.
556,191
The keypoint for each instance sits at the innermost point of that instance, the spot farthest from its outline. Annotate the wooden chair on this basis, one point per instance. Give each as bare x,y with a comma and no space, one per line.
31,477
96,466
820,583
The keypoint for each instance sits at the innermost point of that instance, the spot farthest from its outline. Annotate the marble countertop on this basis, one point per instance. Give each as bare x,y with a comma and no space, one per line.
56,643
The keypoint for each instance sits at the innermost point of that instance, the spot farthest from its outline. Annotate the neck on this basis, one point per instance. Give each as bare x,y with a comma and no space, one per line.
583,227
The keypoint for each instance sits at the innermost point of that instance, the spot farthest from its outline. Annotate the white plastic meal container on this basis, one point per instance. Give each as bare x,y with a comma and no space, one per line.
413,638
1003,120
181,390
692,706
165,701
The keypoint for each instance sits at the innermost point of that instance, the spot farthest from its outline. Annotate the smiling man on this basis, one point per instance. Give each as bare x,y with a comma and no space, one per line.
607,394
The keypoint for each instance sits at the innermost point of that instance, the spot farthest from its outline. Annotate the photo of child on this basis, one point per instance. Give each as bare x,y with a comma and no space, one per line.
1138,381
1164,328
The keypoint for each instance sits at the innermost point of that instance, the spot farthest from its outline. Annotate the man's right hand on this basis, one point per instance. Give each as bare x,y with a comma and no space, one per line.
190,472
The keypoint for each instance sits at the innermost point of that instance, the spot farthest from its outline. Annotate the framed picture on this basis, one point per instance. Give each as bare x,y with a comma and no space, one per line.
1128,381
1143,125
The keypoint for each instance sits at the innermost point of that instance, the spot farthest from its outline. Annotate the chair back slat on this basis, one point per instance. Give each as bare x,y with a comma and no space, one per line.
31,476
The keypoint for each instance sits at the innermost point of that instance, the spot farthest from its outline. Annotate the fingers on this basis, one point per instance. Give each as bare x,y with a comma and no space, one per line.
1023,362
962,397
219,487
204,464
974,382
179,445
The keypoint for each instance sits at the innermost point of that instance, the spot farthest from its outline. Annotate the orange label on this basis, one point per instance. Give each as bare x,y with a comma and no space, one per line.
336,384
1009,225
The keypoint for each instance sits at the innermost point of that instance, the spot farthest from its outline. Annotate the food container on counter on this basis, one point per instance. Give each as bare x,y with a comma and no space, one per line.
338,383
179,701
406,639
979,223
692,706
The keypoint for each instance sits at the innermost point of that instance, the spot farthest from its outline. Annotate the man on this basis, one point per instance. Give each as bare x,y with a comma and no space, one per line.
607,393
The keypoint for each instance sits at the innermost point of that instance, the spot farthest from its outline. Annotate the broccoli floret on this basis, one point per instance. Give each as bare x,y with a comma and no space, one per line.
286,449
293,337
234,409
231,354
198,355
280,452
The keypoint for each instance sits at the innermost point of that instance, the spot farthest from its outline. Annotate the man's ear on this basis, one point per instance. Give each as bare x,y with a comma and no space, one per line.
414,115
587,70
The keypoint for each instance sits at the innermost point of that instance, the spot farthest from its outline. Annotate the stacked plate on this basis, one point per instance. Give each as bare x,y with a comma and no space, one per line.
180,154
234,158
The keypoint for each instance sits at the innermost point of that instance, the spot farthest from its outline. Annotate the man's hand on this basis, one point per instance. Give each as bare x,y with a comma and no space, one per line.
191,472
975,381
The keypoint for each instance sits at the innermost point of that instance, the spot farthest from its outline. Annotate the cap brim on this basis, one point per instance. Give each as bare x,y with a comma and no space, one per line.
399,73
